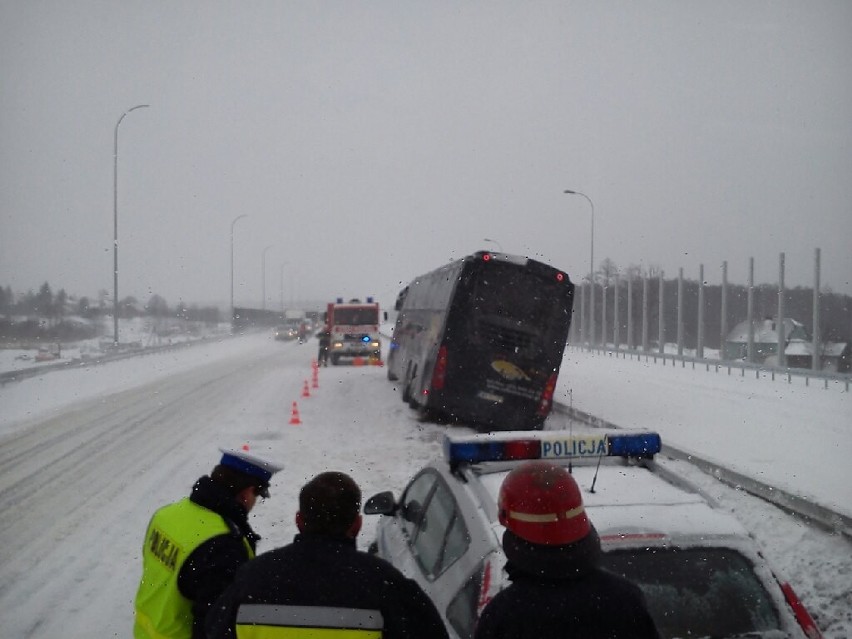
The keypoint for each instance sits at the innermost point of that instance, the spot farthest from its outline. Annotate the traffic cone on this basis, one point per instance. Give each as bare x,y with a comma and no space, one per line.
294,414
315,378
358,361
306,392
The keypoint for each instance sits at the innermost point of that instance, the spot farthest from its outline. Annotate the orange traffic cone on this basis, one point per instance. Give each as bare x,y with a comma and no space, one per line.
315,378
306,392
294,415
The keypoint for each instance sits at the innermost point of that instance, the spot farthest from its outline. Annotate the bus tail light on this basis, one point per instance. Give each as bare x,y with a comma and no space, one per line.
546,401
439,373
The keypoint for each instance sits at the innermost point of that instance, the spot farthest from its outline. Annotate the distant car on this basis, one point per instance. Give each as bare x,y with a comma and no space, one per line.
701,573
285,333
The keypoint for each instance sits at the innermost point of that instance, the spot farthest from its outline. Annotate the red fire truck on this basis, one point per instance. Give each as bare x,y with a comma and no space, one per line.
354,329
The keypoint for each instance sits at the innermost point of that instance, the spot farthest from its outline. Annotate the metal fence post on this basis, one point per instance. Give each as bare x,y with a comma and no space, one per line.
723,337
645,312
630,340
782,338
680,311
616,318
699,349
816,363
750,312
662,329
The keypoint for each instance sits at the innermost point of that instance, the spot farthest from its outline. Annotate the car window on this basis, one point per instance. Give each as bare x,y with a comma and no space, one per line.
442,536
461,613
698,591
413,502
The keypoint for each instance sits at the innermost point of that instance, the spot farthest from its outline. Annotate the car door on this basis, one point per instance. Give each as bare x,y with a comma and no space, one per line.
396,535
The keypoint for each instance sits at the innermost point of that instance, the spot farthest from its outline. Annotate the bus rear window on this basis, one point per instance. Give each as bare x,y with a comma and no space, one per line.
519,295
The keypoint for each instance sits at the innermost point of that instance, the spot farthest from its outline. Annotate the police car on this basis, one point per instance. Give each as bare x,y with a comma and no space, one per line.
701,573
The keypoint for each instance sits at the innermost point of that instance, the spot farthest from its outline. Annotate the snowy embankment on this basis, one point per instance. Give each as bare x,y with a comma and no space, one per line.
785,434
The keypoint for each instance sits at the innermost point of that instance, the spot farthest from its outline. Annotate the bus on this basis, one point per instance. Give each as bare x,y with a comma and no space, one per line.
480,341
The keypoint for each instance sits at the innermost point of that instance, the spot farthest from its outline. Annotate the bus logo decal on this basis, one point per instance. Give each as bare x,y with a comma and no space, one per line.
509,371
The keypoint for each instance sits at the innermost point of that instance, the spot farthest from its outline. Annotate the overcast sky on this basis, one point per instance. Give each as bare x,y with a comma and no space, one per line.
363,139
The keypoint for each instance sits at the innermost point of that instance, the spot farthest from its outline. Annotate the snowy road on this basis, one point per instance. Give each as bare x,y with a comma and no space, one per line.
79,481
78,488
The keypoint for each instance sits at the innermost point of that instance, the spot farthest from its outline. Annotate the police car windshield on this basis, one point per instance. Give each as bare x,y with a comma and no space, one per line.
699,592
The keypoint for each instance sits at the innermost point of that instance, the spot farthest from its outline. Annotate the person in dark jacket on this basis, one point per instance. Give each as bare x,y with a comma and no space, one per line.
194,546
322,582
558,589
324,337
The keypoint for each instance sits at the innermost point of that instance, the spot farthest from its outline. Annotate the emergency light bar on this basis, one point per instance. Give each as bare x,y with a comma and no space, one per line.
555,445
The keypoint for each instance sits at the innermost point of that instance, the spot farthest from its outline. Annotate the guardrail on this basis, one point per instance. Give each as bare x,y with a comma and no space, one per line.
825,517
35,371
719,365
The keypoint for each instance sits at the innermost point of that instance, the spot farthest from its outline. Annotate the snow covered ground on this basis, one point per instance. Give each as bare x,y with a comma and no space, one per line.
789,435
141,332
88,454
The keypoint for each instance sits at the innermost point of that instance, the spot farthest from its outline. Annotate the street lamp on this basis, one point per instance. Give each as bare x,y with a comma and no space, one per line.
263,276
283,264
236,219
115,226
591,269
488,239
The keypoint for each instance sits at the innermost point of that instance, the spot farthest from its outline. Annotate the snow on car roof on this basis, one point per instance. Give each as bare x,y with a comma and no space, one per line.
634,500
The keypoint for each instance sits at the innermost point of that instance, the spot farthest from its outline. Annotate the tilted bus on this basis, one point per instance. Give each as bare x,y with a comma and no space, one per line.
480,340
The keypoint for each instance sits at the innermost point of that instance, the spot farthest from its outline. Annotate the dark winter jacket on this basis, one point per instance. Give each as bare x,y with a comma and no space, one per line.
322,571
211,567
559,592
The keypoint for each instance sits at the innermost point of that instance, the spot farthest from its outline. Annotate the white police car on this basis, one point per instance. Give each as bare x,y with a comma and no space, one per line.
701,573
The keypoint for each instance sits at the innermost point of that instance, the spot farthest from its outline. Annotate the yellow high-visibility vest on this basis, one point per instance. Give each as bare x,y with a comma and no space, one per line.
269,621
176,530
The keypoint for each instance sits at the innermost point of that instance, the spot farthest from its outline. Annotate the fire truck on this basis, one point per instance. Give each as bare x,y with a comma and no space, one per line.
354,330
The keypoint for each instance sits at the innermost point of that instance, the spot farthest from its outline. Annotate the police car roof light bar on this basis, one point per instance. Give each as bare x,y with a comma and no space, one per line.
555,445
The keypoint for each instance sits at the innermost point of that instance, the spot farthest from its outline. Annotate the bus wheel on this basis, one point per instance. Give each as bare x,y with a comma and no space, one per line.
406,387
411,403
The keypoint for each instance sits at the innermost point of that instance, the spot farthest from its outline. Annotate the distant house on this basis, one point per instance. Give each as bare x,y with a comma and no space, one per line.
765,339
835,356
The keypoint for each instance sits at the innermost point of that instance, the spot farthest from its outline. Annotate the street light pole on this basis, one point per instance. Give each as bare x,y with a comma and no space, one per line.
591,269
283,264
115,225
236,219
263,276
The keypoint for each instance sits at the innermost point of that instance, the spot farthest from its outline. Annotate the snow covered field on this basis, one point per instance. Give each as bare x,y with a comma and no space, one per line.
87,455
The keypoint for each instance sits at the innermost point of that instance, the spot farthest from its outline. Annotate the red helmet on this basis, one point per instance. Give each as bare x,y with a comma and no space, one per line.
540,502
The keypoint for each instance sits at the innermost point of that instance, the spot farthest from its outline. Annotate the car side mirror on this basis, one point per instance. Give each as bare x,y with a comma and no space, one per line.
381,504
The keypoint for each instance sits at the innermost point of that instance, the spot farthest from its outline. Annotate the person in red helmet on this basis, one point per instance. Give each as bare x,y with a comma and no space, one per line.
558,589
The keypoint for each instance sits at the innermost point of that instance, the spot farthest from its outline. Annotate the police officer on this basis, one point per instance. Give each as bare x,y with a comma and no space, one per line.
321,584
553,552
324,337
193,547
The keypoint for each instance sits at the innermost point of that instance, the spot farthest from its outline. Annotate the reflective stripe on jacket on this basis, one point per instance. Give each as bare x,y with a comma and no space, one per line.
268,621
175,531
